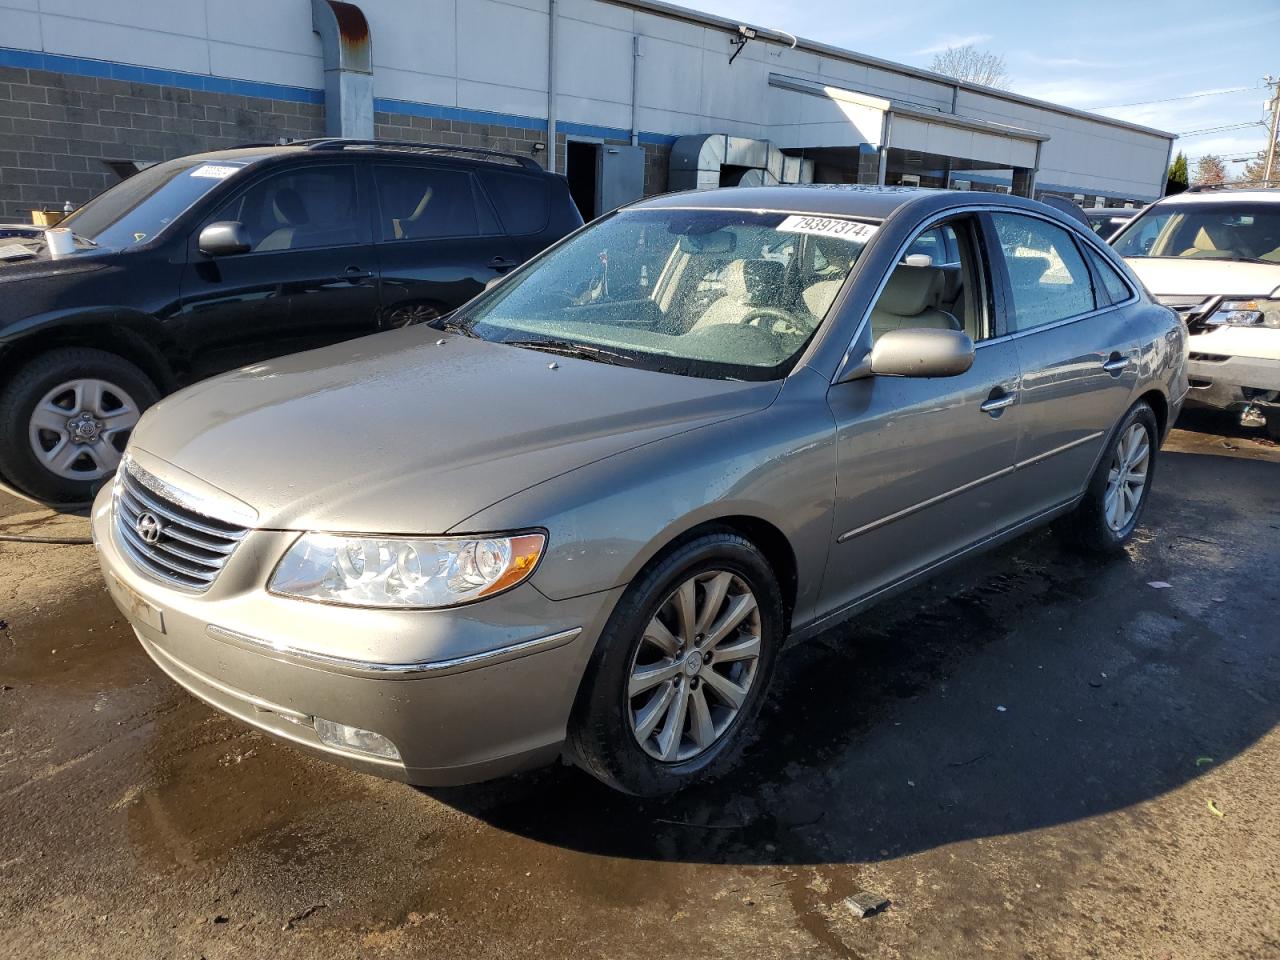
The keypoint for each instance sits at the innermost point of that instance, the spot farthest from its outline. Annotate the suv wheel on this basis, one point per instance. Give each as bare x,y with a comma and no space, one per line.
681,670
1118,490
65,418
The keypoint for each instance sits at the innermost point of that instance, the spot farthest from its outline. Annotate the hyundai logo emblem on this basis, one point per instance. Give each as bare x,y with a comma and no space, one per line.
148,527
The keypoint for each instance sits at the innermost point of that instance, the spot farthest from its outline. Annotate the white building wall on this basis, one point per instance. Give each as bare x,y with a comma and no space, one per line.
490,55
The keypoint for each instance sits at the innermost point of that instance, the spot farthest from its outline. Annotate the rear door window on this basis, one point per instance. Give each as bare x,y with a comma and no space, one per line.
523,202
1048,279
429,203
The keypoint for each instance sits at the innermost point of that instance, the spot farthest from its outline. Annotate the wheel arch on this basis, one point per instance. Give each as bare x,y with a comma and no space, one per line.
132,337
1159,405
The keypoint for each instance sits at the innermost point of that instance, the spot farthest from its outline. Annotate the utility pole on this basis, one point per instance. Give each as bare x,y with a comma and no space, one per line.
1274,84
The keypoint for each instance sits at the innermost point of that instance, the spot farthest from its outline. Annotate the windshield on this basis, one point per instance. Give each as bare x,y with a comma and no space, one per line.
727,294
138,209
1204,231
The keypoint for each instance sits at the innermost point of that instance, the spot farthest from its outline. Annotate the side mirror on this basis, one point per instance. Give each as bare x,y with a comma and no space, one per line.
225,238
924,352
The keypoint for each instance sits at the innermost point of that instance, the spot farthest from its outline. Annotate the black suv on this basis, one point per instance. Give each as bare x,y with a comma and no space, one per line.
213,261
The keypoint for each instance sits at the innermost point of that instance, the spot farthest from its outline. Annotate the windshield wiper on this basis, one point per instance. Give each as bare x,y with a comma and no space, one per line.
580,351
451,323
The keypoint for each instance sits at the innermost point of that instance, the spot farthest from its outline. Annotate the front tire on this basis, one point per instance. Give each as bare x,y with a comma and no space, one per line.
65,418
1117,494
681,669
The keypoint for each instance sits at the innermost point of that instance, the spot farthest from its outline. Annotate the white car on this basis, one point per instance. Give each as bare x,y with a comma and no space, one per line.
1214,256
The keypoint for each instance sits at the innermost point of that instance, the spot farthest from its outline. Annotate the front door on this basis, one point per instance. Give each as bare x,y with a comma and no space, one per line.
924,466
309,279
1078,359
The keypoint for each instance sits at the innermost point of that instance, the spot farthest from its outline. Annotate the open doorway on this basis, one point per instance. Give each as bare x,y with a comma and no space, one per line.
582,166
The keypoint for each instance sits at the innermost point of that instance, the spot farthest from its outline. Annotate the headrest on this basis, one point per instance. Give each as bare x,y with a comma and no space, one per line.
911,290
288,207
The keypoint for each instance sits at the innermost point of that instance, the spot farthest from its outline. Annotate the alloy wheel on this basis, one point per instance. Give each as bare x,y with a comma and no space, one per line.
694,666
79,428
1127,478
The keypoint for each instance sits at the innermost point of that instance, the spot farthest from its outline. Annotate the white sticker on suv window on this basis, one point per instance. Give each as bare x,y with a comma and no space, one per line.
214,171
829,227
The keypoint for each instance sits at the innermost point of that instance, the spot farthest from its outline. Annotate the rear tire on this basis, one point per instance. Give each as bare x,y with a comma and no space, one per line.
41,452
1112,507
620,732
1273,423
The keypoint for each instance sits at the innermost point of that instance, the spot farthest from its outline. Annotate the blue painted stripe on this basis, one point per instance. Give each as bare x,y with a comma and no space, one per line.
461,114
132,73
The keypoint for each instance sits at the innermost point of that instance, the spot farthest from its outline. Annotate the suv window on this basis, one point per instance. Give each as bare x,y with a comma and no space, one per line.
1117,289
1048,279
524,203
1211,230
298,209
429,203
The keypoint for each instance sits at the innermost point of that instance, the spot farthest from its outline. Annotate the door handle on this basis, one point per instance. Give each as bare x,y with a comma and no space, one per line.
502,263
999,399
354,274
1116,365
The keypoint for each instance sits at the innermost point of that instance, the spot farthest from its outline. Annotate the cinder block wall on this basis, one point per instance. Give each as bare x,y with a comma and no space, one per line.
56,129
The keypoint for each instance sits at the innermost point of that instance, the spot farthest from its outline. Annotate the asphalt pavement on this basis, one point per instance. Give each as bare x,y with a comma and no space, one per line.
1037,756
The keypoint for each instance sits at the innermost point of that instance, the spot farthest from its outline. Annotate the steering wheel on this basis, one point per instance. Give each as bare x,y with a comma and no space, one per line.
775,314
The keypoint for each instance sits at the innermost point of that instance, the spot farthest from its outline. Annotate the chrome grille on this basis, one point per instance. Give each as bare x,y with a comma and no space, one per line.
1187,307
167,539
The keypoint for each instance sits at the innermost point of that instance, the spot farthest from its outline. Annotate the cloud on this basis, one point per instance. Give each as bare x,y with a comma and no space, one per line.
947,43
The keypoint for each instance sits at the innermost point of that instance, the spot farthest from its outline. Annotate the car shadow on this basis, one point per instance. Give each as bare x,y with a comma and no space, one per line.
1031,688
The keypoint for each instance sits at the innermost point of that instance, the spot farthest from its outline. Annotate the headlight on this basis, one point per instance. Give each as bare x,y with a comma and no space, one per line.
404,572
1246,313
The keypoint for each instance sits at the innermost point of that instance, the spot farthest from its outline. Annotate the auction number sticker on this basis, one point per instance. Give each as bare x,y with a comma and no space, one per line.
828,227
214,171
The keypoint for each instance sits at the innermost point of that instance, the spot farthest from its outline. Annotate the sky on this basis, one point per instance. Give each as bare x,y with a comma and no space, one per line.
1165,65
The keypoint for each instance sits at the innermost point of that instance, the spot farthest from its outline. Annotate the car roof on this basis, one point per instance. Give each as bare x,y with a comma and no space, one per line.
1099,213
834,199
1260,195
331,148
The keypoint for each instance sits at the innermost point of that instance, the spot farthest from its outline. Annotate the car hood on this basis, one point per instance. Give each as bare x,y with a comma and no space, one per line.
1184,276
410,431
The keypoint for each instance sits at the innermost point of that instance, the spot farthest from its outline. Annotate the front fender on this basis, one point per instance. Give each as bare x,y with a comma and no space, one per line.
608,519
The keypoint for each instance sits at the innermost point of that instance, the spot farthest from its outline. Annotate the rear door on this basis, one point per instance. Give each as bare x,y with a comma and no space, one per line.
438,240
1077,354
308,280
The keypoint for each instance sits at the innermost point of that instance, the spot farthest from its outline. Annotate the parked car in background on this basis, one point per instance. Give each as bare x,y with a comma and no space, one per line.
1214,256
583,518
217,260
1105,221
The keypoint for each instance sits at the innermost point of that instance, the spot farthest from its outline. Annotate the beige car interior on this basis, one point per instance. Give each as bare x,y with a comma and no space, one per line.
403,227
914,298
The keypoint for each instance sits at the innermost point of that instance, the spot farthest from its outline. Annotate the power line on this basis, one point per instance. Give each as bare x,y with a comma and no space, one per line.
1185,96
1222,129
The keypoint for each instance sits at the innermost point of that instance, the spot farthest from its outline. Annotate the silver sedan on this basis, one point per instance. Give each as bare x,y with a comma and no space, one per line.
580,516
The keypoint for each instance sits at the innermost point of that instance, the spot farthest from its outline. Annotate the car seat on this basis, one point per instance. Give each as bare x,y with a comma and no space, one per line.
910,301
747,284
290,214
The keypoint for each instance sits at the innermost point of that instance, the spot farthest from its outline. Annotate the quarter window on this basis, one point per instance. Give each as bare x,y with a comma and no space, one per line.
1048,278
1117,290
428,203
523,202
299,209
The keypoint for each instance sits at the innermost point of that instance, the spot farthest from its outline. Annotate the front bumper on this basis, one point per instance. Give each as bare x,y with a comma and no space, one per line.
1224,382
465,694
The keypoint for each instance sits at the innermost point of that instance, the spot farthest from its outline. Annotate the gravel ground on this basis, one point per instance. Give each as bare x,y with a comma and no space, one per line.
1037,756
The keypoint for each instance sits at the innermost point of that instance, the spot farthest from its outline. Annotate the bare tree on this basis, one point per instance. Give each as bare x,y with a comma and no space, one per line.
972,65
1210,169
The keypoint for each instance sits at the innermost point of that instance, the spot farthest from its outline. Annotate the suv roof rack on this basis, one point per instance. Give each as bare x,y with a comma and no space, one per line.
342,143
1233,185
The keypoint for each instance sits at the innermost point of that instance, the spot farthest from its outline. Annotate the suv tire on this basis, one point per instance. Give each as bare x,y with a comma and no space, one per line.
1100,524
663,623
107,391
